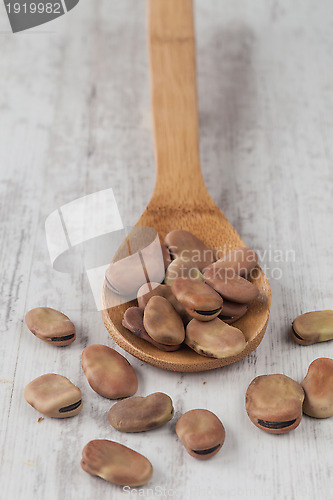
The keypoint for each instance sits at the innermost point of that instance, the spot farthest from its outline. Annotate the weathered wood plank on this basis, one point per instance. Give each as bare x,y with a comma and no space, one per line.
74,120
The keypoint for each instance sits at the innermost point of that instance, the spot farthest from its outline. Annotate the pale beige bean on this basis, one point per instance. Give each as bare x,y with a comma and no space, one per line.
214,339
184,244
235,289
274,403
198,299
139,414
242,262
50,325
116,463
201,432
108,372
133,321
125,276
54,396
312,327
318,388
162,322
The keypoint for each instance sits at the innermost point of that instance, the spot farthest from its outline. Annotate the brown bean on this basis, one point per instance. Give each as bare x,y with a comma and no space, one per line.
116,463
198,299
108,372
231,311
201,432
180,268
149,290
318,388
166,256
235,289
133,321
233,308
54,396
51,326
139,414
312,327
214,339
162,322
274,403
240,262
229,320
184,244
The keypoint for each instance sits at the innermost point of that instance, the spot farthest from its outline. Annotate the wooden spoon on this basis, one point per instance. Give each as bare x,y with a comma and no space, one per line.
180,199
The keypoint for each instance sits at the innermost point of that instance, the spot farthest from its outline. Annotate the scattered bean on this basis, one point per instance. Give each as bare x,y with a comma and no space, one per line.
312,327
50,325
108,372
138,414
116,463
318,388
201,432
274,403
54,396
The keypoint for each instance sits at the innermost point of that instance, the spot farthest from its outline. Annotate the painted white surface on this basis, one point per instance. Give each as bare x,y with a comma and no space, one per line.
74,119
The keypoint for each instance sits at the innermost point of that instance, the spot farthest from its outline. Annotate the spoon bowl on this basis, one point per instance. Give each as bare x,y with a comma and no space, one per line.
180,199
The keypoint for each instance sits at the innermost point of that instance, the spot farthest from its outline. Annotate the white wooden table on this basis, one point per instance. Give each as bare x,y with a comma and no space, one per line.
75,119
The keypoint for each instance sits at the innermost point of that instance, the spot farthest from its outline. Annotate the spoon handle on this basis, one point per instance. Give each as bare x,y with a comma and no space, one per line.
174,102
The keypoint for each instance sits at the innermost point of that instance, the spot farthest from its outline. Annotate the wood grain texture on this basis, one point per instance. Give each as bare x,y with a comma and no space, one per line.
180,199
70,126
172,69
